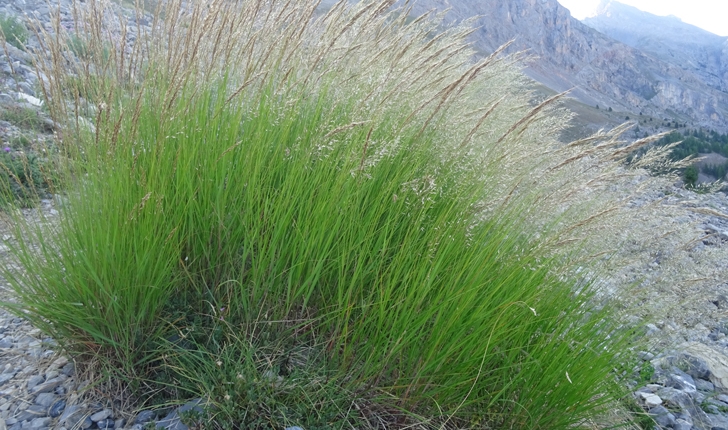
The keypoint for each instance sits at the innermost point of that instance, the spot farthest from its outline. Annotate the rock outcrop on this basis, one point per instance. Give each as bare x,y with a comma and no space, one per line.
599,69
666,38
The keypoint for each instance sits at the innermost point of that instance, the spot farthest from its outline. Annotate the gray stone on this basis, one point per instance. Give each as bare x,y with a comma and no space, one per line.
646,356
703,385
677,399
87,423
101,415
718,420
721,301
42,11
49,125
105,424
40,422
650,400
72,416
196,405
26,88
695,366
49,385
651,330
684,416
45,399
33,411
682,425
69,369
5,377
723,327
118,424
722,397
144,417
35,352
6,343
662,416
35,380
57,408
681,381
171,422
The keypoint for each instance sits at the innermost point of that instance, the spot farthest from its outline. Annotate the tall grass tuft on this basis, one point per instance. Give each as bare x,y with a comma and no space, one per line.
13,31
343,205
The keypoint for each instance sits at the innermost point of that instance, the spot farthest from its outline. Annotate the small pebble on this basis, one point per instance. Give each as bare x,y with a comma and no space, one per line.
57,408
87,423
45,399
68,369
35,380
105,424
144,417
101,415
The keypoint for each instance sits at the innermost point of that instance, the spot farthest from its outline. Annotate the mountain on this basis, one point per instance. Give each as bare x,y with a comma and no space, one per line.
667,38
599,69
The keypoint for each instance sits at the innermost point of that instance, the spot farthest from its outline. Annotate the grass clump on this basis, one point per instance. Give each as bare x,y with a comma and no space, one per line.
13,31
278,205
19,142
80,46
24,178
25,118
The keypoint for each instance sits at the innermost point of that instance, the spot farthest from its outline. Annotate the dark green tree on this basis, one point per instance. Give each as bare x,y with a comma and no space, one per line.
691,176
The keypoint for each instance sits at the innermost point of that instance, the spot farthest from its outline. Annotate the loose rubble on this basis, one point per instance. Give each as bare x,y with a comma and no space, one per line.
40,389
685,391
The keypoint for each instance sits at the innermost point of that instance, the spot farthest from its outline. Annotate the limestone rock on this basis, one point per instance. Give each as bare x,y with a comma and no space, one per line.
717,362
600,70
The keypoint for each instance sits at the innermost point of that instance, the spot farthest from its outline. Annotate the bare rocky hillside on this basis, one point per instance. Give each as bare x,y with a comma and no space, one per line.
599,69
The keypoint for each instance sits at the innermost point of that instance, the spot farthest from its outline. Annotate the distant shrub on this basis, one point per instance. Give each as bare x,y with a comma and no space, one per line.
20,142
13,31
25,118
78,46
691,176
84,49
23,178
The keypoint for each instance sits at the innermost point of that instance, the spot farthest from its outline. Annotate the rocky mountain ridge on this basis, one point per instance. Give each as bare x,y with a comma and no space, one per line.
597,68
666,38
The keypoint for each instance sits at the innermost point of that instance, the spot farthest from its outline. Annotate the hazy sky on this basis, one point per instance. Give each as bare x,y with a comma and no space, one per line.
711,15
